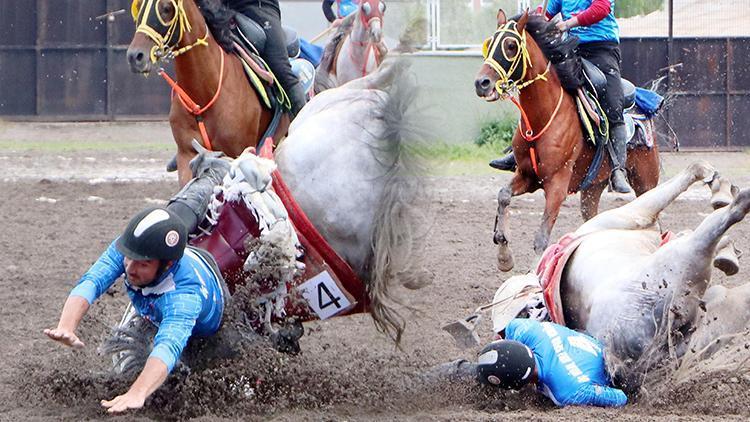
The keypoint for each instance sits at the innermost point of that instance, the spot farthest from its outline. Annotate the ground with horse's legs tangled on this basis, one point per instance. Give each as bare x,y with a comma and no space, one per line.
56,227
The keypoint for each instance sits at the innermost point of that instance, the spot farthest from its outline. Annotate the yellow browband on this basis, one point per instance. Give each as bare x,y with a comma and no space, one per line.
179,21
504,84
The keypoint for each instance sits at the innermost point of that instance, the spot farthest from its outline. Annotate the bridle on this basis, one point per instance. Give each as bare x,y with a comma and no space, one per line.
494,53
165,35
511,81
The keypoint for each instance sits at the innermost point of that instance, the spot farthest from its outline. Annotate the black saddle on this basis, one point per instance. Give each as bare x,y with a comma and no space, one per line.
598,82
254,38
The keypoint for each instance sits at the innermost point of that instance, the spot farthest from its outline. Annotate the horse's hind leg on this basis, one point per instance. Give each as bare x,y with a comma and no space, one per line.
643,211
520,184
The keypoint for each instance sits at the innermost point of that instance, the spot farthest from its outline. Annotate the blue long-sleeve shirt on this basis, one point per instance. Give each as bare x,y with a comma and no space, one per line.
186,300
570,365
603,30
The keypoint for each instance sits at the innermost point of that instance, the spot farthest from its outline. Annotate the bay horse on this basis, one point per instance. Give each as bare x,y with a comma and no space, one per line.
357,48
357,187
643,292
213,101
549,146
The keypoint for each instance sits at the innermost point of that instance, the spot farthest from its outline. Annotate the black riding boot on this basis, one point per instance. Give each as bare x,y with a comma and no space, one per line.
507,163
619,154
297,97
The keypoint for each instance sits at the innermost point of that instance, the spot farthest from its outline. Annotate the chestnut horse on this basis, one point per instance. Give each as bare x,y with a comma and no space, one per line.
357,48
549,146
224,103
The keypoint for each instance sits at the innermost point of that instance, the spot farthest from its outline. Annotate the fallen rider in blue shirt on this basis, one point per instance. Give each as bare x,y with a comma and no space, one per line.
566,366
178,289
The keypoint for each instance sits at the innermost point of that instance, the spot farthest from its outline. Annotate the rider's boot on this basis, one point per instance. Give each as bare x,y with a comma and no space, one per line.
619,154
297,97
507,163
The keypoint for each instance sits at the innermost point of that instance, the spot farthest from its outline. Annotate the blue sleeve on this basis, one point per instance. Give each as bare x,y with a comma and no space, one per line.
100,277
554,7
598,395
179,314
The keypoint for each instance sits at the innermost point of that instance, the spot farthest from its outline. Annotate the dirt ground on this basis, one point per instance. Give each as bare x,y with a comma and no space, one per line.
61,208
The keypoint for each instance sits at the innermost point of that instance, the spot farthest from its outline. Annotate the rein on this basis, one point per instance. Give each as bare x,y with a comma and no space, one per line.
528,134
191,106
369,46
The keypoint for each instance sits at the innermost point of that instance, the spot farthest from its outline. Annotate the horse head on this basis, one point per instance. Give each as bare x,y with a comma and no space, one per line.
371,16
161,26
506,58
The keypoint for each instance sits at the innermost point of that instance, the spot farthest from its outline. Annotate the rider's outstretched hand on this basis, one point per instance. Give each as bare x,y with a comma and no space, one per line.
124,402
65,337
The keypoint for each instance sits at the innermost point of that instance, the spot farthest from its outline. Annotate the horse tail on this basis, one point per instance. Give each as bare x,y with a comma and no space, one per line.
395,238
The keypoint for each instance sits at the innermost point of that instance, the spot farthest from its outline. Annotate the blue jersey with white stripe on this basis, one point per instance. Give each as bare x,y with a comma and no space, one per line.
604,30
186,300
570,365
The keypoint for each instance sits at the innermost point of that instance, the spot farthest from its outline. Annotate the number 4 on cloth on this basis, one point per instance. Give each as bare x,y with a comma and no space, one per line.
324,295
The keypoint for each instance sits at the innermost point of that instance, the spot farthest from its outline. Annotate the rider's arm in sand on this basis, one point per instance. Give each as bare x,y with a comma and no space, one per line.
599,395
73,311
180,313
108,268
151,378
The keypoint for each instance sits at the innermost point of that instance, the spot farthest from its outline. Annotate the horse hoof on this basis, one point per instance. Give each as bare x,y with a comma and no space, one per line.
727,260
505,260
722,193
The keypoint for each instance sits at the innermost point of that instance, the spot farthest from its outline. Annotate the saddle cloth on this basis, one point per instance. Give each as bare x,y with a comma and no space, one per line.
552,264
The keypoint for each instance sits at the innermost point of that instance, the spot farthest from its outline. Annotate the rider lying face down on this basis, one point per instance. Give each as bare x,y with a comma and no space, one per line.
174,287
565,365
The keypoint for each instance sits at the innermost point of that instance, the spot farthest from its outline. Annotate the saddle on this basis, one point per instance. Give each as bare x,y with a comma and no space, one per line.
590,110
249,41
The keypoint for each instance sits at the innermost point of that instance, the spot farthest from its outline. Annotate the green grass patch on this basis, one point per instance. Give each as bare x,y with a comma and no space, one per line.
445,159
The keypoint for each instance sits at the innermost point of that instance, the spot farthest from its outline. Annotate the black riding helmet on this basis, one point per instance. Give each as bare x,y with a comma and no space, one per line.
505,363
154,233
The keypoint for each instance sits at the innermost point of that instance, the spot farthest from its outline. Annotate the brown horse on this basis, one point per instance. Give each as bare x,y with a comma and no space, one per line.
217,104
549,146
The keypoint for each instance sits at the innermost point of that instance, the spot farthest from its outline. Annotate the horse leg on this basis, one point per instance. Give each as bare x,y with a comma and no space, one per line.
643,211
590,201
727,257
520,184
555,192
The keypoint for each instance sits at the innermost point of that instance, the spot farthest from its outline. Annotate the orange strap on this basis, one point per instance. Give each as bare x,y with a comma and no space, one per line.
528,134
191,105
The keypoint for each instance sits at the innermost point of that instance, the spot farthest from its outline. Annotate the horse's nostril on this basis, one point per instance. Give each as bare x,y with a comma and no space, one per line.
485,83
139,57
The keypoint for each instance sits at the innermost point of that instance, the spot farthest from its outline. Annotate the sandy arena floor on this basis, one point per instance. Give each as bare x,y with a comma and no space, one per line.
62,208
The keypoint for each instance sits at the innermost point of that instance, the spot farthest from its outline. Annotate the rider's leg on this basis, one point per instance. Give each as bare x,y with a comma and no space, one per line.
606,56
643,211
276,53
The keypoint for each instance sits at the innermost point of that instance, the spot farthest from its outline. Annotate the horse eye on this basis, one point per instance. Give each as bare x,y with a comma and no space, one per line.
381,6
166,9
367,8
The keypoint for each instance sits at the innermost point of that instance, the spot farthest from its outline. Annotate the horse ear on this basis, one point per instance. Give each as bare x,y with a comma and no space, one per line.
501,18
522,21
